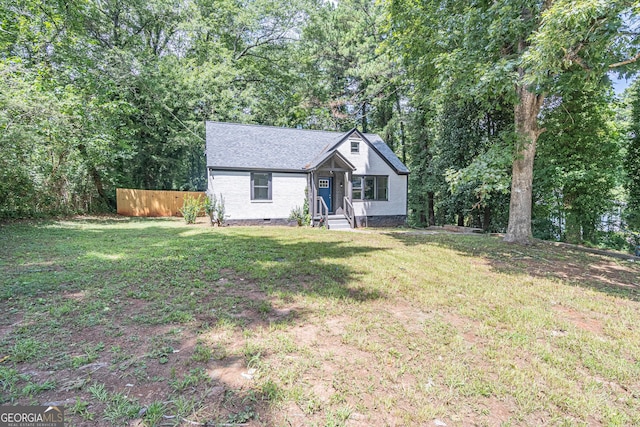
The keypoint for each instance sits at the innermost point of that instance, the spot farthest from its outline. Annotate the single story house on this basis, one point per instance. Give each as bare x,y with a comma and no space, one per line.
264,172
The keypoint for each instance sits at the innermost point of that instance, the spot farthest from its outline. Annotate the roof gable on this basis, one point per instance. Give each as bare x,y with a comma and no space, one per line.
238,146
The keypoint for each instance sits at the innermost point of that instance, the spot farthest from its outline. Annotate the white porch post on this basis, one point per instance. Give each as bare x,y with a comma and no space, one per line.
312,192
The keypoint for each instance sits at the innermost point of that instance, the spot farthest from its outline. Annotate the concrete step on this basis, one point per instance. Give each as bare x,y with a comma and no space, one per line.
339,223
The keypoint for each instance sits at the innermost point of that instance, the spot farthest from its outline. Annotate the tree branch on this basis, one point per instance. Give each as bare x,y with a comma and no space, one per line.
625,62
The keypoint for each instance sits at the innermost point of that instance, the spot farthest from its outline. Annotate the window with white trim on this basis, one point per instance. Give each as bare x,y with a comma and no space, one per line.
355,146
370,187
260,186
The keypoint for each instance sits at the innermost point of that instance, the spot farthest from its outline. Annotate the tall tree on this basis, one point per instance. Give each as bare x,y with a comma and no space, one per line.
100,94
471,162
578,165
632,162
350,80
515,51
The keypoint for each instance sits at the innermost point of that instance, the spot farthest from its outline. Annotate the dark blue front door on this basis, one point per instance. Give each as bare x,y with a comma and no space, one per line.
324,190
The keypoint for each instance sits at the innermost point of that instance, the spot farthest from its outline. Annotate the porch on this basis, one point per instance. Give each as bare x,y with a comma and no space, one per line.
330,192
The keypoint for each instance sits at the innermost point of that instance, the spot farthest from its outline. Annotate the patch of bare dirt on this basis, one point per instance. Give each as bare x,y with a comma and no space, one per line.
8,324
498,410
596,271
579,319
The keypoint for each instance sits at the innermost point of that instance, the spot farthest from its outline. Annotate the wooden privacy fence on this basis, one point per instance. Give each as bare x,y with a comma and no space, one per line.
151,202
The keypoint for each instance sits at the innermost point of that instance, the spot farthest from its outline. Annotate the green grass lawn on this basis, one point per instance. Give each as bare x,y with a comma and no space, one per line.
153,322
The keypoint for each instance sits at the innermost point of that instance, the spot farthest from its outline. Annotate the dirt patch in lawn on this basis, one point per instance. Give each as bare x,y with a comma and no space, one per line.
598,272
580,319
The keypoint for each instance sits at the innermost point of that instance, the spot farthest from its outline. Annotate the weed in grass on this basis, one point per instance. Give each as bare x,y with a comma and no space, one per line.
284,344
99,392
201,353
139,371
31,389
337,398
219,352
185,406
338,417
190,380
82,409
9,383
227,323
308,402
264,308
271,391
120,408
252,353
15,385
27,349
62,309
85,359
132,362
246,414
162,354
154,413
178,316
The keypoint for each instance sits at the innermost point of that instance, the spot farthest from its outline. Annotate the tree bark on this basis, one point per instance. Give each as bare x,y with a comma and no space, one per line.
526,122
431,209
95,175
486,218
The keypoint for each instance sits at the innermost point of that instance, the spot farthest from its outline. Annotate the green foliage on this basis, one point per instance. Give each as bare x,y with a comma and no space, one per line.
472,154
632,163
301,215
512,55
297,215
350,81
189,380
15,385
192,206
154,413
305,207
131,113
27,349
422,182
578,165
81,408
120,408
215,208
583,37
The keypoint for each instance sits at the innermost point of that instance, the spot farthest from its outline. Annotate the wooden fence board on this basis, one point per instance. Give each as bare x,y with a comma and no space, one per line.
132,202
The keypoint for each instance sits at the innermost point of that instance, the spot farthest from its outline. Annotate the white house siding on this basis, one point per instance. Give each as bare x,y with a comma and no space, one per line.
368,162
287,192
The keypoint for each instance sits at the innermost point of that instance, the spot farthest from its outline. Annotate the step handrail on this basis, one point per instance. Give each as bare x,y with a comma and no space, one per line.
349,212
323,211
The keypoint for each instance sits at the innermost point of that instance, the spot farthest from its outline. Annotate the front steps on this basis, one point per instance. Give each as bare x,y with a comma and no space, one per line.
338,222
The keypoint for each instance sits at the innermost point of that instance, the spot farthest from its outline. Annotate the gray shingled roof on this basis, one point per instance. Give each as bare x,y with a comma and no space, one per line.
238,146
386,152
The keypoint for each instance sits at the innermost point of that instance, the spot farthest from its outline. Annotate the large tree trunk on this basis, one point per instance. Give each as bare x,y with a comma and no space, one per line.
526,122
486,219
431,207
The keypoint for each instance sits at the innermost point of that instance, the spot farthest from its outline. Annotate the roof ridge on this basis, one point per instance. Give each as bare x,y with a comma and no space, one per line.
278,127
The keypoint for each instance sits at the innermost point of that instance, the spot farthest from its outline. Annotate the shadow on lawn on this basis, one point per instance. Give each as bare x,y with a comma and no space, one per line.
607,275
148,292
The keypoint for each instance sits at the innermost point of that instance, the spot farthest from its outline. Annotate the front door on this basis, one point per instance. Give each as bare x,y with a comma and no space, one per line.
325,185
